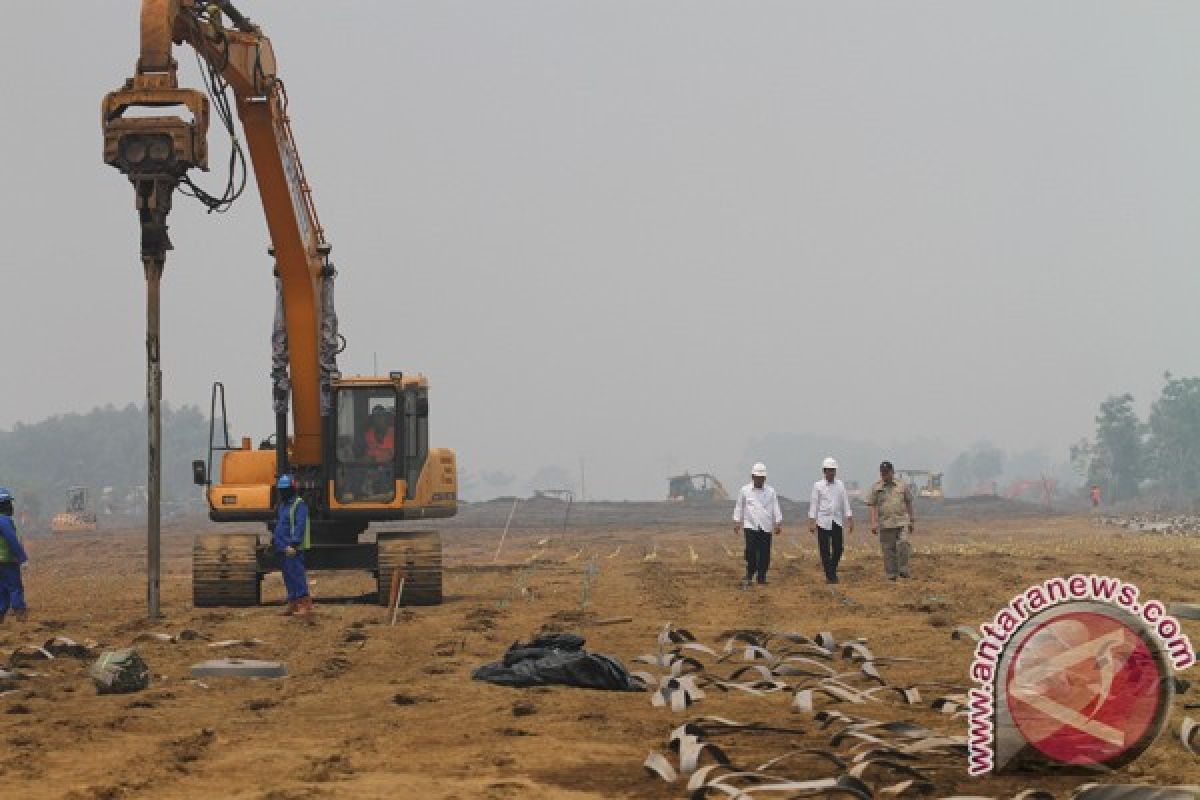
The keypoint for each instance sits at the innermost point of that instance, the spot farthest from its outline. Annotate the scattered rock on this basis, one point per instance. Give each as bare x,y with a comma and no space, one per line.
403,699
189,749
259,704
330,768
334,667
930,604
514,732
449,648
523,708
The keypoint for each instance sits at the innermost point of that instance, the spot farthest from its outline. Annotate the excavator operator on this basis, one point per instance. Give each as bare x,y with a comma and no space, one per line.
381,436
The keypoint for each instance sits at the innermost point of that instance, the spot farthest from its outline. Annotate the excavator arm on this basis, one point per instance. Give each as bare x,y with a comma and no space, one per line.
156,152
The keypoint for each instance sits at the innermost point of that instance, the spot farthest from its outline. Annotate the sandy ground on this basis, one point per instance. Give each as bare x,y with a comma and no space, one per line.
396,715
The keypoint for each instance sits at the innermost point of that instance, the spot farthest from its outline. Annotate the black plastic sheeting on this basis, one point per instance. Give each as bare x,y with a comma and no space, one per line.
558,659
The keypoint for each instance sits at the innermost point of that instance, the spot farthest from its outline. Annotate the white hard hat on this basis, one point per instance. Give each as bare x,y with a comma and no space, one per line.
829,463
759,470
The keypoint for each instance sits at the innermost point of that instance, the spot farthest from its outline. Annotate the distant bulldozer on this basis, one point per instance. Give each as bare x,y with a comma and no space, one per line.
924,482
696,488
80,516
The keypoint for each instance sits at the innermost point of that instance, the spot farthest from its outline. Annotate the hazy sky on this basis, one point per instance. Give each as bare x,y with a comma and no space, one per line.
642,233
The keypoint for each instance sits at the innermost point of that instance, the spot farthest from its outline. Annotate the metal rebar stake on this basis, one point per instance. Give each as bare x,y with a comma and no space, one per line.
154,207
153,265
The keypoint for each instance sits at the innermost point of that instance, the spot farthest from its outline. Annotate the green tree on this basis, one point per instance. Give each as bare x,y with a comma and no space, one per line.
1118,453
1173,448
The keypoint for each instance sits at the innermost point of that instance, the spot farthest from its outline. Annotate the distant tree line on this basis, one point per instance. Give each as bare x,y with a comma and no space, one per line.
1128,456
976,470
104,447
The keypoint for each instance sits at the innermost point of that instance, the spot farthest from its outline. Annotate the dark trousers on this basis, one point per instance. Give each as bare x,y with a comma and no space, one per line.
758,554
829,542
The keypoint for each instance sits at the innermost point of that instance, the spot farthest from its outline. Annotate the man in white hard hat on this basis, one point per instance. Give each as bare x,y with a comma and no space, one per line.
828,513
756,516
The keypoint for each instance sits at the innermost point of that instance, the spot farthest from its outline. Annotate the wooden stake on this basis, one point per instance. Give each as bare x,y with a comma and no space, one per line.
397,590
511,511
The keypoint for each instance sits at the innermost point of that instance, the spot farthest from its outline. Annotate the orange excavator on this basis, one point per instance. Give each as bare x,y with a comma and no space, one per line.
359,447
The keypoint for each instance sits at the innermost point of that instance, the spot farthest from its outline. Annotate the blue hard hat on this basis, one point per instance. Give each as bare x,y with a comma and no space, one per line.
285,482
5,495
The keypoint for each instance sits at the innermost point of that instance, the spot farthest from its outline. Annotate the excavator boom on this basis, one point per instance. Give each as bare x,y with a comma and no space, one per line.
243,57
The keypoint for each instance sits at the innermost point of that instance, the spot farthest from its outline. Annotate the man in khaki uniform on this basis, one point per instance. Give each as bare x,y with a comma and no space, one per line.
892,519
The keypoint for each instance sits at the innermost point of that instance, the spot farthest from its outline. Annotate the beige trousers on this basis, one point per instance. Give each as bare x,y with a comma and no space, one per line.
894,544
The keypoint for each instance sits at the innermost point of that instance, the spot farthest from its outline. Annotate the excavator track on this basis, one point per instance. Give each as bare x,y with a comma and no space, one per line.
225,570
418,555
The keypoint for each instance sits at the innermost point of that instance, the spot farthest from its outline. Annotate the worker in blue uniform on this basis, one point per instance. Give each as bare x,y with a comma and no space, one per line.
291,539
12,556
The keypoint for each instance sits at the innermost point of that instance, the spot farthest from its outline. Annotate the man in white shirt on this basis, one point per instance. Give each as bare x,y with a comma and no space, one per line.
756,515
828,512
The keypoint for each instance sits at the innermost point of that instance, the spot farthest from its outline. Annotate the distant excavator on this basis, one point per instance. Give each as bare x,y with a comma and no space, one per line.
79,515
699,487
927,484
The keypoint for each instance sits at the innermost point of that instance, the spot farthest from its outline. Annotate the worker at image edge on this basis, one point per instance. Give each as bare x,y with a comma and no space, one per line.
757,517
12,556
290,540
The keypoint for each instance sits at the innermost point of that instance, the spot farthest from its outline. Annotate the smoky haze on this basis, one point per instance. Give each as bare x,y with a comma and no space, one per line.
649,234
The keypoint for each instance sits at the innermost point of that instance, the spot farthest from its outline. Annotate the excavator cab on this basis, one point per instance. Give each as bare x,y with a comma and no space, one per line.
365,452
381,449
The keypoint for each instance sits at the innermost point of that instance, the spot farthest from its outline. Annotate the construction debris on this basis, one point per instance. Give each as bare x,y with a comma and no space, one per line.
252,642
1177,524
29,652
120,672
1189,734
186,635
864,757
61,646
239,668
558,659
964,632
1184,610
